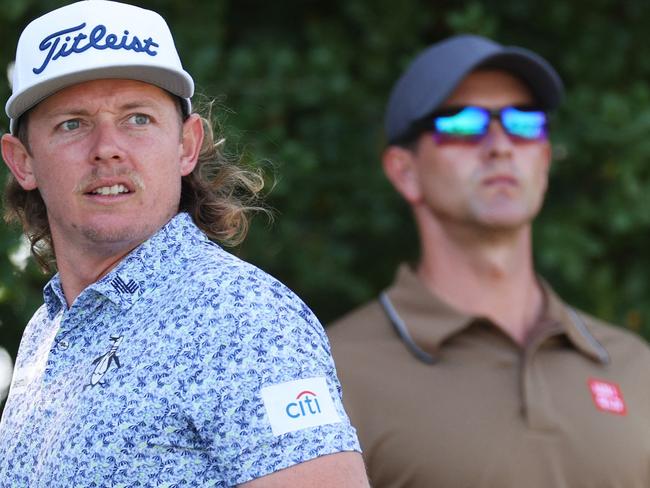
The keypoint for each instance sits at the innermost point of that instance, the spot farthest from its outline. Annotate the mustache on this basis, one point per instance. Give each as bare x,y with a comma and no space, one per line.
98,174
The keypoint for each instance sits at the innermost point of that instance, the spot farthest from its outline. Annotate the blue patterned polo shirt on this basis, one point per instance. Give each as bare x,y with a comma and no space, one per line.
184,366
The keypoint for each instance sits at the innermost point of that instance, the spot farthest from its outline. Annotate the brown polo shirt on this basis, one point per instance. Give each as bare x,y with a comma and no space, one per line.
571,409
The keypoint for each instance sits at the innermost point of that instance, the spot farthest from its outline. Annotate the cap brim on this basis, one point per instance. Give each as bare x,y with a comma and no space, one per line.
541,78
167,79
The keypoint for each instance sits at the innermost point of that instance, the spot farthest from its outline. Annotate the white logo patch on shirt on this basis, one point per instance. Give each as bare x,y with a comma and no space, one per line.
299,404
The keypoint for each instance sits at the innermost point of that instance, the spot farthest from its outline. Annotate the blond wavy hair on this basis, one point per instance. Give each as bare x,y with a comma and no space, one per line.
220,195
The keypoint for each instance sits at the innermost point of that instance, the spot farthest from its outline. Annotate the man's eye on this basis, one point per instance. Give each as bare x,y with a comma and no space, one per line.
139,119
71,124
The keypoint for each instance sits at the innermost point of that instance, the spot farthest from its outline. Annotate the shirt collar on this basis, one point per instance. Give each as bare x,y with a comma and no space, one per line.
430,322
53,296
138,271
572,324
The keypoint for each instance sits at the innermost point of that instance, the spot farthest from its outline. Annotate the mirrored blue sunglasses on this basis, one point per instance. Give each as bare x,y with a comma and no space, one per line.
471,123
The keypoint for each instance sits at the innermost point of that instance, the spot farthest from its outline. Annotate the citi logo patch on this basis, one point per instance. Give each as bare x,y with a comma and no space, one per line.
299,404
303,405
607,397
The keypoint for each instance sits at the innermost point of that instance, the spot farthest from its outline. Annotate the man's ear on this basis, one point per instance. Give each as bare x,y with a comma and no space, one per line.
400,168
19,161
191,142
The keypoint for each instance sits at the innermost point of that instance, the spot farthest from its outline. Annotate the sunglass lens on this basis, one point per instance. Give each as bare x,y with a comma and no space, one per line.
470,122
527,124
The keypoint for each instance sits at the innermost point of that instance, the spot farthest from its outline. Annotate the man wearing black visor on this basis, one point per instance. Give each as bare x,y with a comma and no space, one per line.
469,371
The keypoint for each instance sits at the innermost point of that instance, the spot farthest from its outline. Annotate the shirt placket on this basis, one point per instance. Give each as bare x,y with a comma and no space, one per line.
64,353
537,401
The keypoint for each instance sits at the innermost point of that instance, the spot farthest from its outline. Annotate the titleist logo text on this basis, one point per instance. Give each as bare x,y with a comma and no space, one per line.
57,46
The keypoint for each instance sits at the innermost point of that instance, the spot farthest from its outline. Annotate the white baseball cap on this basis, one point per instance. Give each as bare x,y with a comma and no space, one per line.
91,40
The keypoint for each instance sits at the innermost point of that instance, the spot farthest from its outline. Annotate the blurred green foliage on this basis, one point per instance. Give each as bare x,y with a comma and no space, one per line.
301,89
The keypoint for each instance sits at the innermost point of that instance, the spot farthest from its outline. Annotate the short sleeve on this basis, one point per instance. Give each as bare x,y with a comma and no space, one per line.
267,396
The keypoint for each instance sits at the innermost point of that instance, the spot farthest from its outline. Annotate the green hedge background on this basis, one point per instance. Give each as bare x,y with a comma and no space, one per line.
301,89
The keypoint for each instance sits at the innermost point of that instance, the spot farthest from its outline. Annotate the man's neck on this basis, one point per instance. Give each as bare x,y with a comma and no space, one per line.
488,275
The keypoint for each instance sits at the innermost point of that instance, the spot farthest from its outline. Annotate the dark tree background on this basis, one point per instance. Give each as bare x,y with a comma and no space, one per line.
301,88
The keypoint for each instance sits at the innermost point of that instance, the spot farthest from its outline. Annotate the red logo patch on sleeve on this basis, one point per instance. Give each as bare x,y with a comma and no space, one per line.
607,396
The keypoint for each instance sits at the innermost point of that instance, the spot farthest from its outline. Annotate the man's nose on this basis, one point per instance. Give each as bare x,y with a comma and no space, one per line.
107,143
497,143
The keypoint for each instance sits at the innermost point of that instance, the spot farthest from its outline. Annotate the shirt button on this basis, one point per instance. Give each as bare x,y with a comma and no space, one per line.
63,345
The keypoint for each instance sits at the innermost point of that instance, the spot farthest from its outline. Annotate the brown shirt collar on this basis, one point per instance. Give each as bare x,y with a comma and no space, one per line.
428,322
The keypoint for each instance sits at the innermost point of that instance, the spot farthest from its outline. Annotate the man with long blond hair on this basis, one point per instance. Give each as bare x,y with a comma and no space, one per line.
157,359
